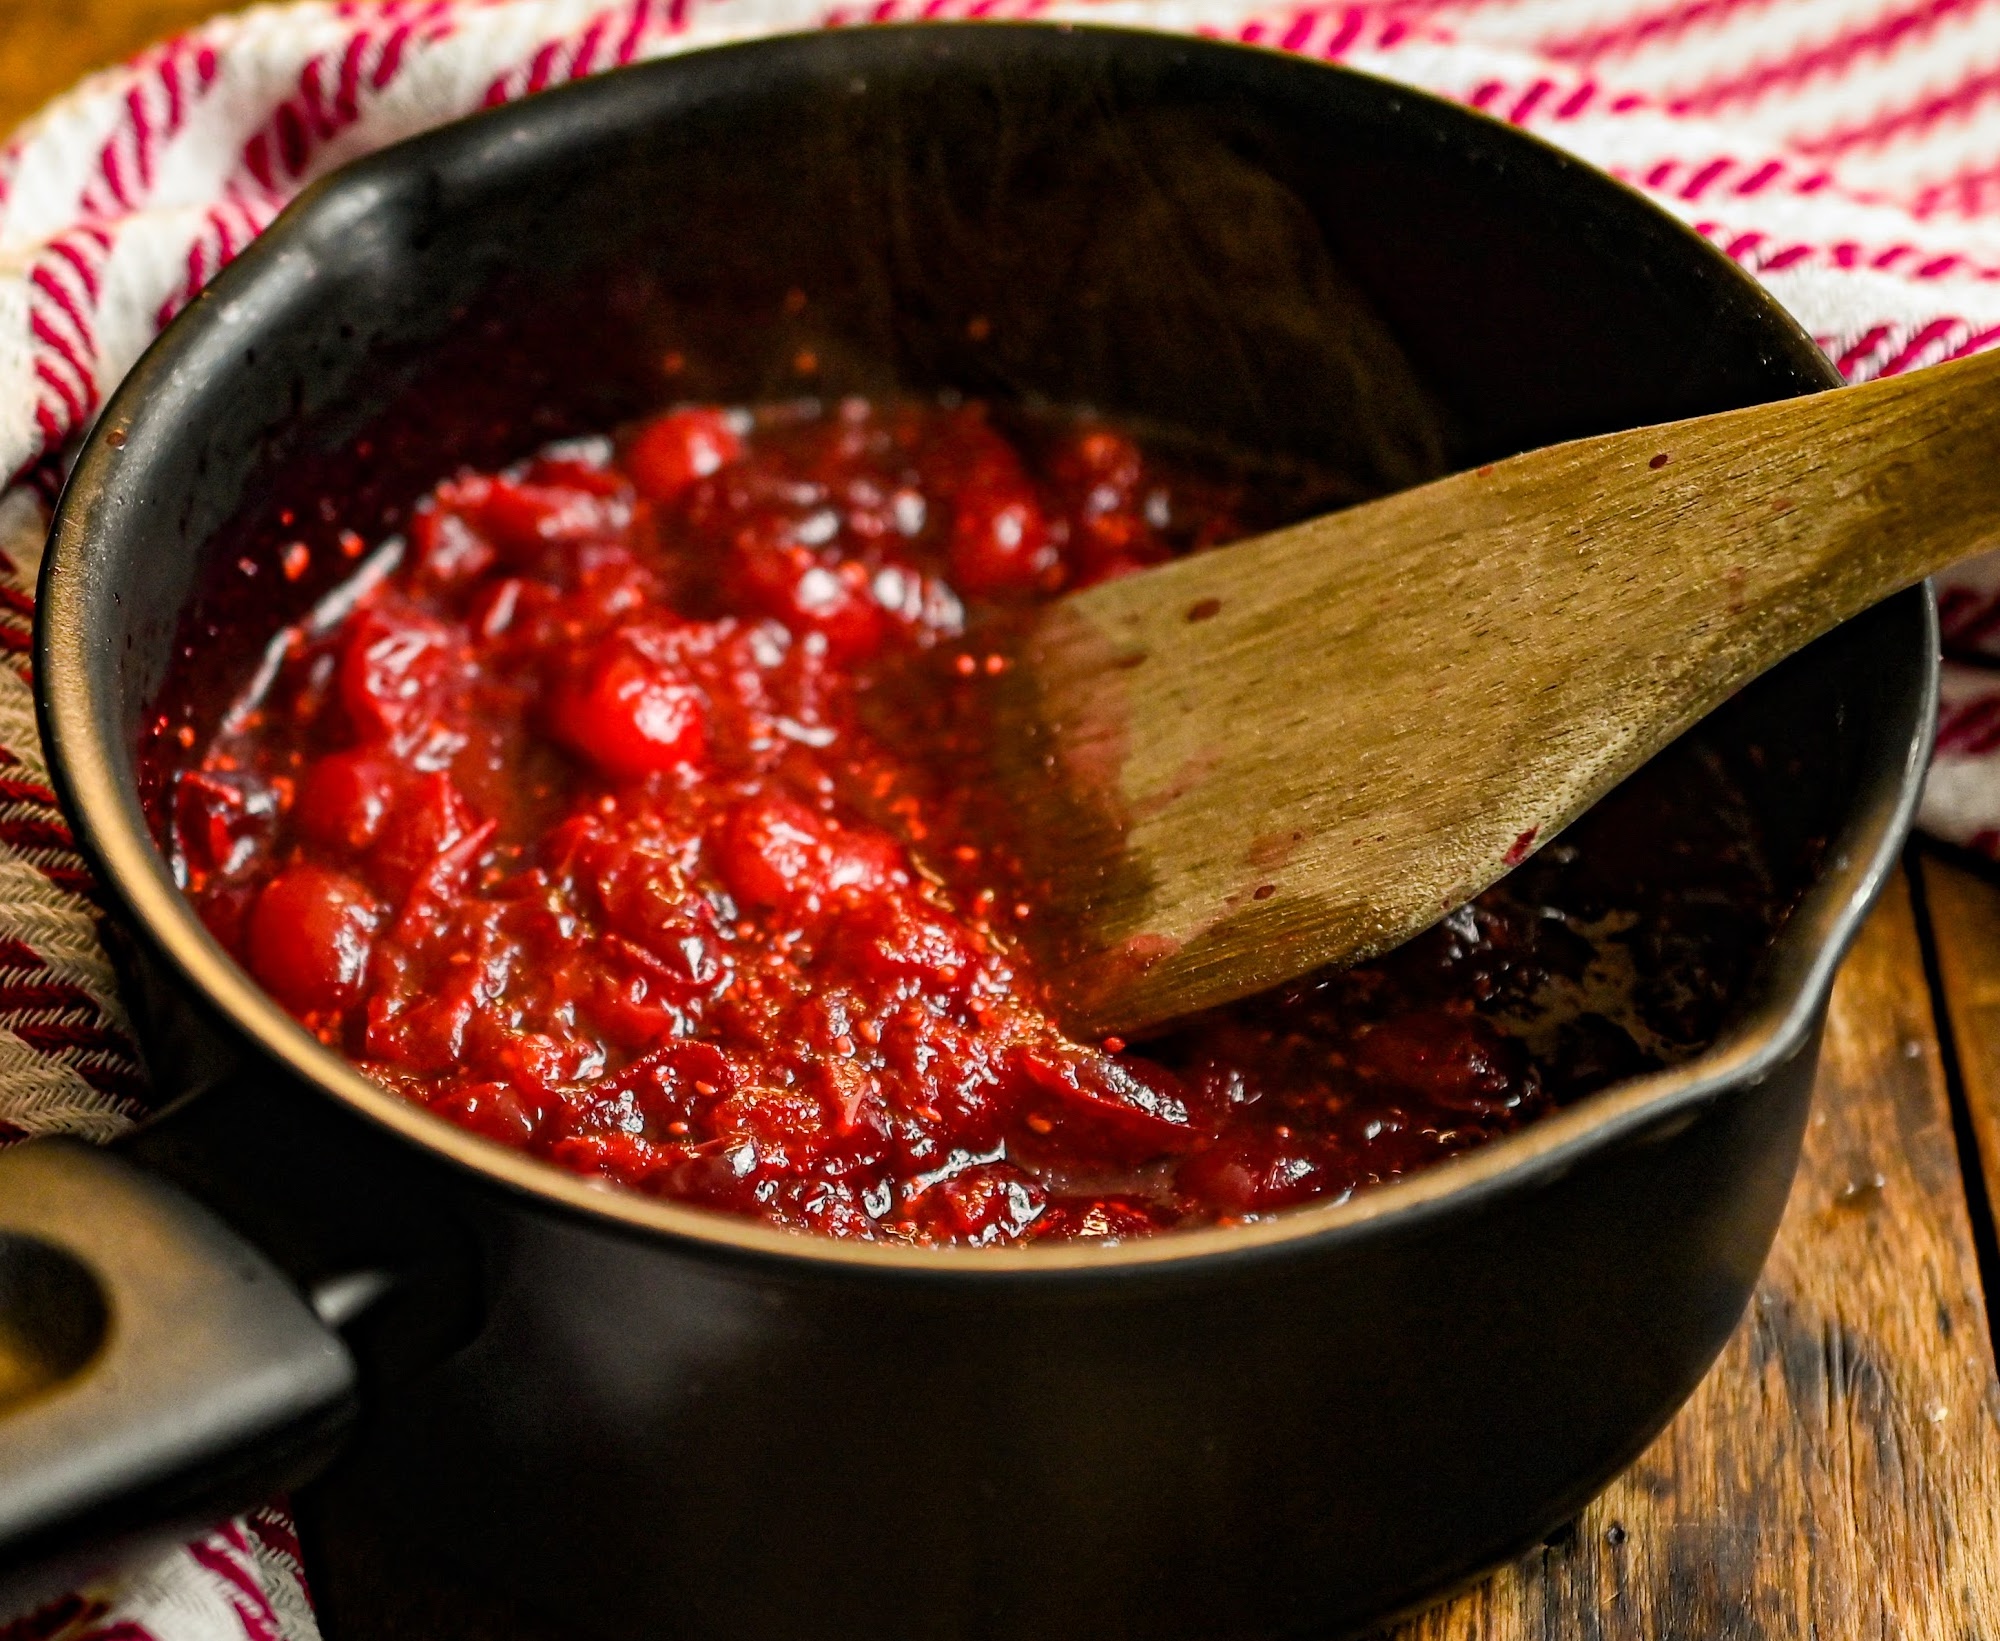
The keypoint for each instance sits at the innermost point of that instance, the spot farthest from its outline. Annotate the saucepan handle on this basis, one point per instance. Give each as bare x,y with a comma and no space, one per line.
157,1372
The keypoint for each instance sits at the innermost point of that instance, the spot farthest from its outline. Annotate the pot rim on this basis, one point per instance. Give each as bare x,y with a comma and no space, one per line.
1793,982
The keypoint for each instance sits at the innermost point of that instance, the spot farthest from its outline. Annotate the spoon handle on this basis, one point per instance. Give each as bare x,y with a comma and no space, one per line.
1761,529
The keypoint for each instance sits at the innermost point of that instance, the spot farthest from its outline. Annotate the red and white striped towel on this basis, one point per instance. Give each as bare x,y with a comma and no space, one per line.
1847,152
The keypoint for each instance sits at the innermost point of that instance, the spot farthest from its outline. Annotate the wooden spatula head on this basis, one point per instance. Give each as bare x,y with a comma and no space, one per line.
1306,748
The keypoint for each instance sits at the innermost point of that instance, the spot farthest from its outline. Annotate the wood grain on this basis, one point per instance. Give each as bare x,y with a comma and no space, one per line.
1838,1475
45,45
1964,907
1239,766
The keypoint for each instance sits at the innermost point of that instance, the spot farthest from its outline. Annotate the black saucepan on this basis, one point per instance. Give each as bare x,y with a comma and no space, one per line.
666,1423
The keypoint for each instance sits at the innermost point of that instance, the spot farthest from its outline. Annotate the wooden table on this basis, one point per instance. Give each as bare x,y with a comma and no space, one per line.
1837,1477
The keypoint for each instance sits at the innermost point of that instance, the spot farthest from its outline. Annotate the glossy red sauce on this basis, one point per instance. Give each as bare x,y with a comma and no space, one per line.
564,818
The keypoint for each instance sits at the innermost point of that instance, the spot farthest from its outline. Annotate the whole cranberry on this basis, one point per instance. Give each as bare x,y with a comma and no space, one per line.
680,449
630,710
310,937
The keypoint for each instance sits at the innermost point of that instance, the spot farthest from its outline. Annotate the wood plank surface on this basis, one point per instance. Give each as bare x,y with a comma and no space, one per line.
1838,1474
1964,907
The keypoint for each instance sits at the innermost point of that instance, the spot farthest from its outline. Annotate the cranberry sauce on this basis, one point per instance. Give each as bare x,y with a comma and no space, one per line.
562,818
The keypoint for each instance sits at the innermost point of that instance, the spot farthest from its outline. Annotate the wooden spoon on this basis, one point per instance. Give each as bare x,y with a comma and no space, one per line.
1238,767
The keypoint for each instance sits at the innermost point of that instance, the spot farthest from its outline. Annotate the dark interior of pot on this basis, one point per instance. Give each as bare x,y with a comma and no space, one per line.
1304,267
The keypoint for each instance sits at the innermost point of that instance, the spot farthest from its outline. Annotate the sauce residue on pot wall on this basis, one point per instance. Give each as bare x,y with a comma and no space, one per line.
569,815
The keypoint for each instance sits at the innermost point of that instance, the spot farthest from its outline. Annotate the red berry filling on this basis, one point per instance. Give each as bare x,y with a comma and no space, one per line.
574,829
